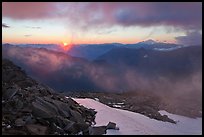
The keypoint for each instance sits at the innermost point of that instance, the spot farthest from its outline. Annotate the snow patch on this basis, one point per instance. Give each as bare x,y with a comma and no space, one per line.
131,123
120,103
117,106
96,99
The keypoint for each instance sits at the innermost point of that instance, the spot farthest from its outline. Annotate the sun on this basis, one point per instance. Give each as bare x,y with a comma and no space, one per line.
65,44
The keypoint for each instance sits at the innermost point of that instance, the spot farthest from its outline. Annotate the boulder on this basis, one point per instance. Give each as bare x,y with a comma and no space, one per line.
111,125
100,130
47,104
56,129
29,120
10,93
76,116
13,132
92,111
62,108
19,122
62,122
41,111
19,104
71,128
35,129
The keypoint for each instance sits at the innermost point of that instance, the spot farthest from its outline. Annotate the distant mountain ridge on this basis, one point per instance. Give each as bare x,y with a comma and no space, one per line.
149,41
181,61
118,70
92,51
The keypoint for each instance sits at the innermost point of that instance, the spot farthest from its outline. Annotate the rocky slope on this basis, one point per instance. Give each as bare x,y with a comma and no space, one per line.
30,108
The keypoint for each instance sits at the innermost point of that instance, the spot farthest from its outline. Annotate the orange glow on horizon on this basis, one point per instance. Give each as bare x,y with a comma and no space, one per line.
64,43
65,46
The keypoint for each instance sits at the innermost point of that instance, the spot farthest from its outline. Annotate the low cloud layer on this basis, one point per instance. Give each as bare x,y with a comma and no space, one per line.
66,73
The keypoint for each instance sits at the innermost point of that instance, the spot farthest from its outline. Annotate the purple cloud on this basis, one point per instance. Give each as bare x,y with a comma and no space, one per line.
191,38
5,25
27,10
182,15
185,15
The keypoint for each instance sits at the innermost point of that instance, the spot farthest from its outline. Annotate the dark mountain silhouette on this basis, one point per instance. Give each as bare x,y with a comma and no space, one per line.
181,62
91,51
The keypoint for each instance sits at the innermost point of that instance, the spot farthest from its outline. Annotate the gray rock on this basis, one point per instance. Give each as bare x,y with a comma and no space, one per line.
62,122
97,130
19,104
56,129
77,117
60,107
71,128
41,111
13,132
29,120
47,104
111,125
35,129
92,112
26,110
82,126
10,93
19,122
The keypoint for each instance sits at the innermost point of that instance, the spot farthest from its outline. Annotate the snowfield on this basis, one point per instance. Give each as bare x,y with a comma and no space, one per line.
131,123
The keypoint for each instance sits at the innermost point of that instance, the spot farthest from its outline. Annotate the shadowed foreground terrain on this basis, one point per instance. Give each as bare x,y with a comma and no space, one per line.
30,108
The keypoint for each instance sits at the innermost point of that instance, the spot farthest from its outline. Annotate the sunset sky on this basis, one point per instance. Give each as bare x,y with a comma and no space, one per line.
101,22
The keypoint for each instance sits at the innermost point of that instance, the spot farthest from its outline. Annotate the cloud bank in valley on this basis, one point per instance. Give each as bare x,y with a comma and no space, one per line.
66,73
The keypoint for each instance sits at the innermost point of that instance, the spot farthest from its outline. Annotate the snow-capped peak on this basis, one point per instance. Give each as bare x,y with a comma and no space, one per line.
150,42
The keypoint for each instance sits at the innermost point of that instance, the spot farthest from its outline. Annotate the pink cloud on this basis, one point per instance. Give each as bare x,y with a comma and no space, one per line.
27,10
96,14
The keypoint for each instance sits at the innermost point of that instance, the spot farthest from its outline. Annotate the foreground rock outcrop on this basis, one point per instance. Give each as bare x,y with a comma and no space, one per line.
30,108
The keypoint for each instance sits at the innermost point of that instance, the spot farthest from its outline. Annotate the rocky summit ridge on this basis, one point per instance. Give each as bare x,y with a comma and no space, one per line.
31,108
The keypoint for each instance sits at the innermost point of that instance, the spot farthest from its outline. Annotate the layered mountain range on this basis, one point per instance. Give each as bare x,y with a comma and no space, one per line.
175,75
134,67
